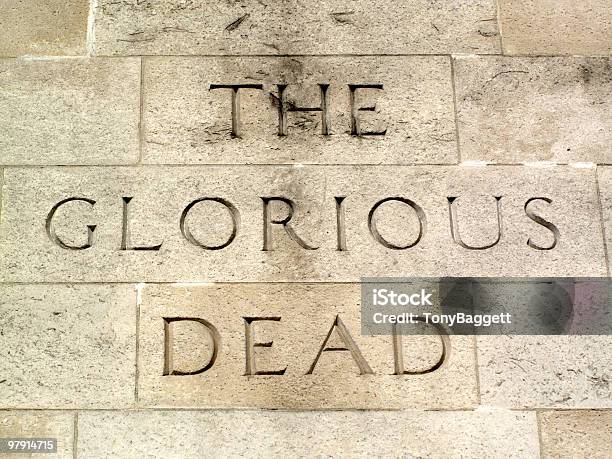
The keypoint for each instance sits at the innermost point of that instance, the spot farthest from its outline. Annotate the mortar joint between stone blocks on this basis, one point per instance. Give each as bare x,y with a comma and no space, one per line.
601,222
455,114
138,288
90,40
141,136
539,427
75,435
499,27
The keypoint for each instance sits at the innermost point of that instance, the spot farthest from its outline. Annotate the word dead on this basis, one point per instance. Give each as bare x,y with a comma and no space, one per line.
252,347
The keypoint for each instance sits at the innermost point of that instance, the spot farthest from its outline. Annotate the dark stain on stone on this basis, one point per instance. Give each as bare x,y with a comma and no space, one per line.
595,72
176,29
234,25
487,34
506,72
585,73
273,46
343,17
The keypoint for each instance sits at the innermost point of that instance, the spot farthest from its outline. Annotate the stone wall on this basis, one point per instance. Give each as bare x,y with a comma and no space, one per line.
220,161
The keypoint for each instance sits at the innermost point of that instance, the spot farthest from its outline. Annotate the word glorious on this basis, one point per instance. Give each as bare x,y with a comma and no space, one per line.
272,219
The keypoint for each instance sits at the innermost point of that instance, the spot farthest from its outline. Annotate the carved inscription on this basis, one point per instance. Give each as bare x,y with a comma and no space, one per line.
168,339
338,332
286,106
235,91
290,346
251,344
269,222
293,223
309,110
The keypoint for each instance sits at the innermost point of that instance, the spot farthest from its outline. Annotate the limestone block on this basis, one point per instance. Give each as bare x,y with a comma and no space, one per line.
67,346
545,371
69,112
516,110
576,433
267,224
350,434
209,346
43,27
205,27
368,110
548,27
58,425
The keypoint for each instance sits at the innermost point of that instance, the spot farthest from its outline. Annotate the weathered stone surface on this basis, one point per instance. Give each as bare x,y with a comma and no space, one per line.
67,346
48,27
75,111
576,433
549,27
295,27
364,376
545,371
160,197
308,434
513,110
605,194
32,424
188,122
1,188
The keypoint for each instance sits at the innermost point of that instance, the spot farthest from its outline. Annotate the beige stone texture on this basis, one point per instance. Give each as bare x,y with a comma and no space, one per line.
295,27
1,189
67,346
605,194
576,434
186,122
72,111
160,196
545,371
359,378
43,27
39,424
549,27
348,434
515,110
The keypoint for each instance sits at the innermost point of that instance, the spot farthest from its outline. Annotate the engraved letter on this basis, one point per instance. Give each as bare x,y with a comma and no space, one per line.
355,122
350,345
398,354
235,223
455,225
125,231
284,107
51,230
267,217
168,341
380,239
553,229
235,102
251,344
341,233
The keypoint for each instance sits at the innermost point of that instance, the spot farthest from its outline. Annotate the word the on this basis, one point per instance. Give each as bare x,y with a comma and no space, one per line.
285,107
